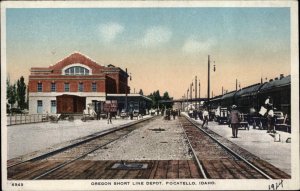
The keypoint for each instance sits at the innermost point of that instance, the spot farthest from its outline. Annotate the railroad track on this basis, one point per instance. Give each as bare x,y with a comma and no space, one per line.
44,164
213,158
218,158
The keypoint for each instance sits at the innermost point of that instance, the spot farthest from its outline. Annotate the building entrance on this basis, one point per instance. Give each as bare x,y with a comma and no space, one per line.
70,104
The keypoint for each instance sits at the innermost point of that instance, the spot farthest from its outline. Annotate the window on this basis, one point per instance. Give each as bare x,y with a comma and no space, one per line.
39,87
94,87
77,70
67,87
80,87
39,106
53,87
53,103
53,106
40,103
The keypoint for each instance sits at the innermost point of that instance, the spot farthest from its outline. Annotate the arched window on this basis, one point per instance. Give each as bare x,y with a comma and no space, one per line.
77,70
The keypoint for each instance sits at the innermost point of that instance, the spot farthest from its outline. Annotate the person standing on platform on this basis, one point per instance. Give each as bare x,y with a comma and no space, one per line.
271,119
174,114
268,101
109,116
235,118
98,115
205,117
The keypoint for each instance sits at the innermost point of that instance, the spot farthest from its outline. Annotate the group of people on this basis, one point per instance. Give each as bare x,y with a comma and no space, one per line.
235,118
171,112
202,114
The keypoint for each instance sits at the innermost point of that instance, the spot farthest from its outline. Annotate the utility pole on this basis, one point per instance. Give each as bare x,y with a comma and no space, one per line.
183,100
126,91
199,95
196,92
195,87
187,96
236,84
126,101
208,81
199,89
191,90
222,90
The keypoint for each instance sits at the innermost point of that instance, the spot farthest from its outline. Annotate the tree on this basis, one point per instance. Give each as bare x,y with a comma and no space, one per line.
167,97
21,93
10,93
152,98
141,92
157,98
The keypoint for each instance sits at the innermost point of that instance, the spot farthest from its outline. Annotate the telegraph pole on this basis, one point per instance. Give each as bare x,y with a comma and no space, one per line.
196,92
208,81
199,95
191,90
187,96
126,101
199,89
195,87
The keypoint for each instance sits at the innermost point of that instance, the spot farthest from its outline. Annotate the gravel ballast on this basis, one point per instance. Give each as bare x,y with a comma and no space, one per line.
158,140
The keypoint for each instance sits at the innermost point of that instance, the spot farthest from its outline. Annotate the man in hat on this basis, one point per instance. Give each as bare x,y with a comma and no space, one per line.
271,119
205,117
234,120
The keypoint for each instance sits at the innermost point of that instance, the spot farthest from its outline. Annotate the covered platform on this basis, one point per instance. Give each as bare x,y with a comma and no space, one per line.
131,102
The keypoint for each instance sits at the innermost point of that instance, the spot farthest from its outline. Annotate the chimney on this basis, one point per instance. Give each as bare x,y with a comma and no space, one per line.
281,76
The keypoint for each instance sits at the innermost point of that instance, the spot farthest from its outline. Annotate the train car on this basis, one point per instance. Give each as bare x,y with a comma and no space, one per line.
279,90
228,99
250,99
246,98
215,102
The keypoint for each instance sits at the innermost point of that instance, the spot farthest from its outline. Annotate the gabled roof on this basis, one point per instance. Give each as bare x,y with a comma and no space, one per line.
76,57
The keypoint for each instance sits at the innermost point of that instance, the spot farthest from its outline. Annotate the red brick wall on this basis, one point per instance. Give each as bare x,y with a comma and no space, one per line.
110,85
60,85
110,79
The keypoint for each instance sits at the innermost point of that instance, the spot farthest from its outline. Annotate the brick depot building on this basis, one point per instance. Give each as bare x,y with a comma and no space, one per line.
72,84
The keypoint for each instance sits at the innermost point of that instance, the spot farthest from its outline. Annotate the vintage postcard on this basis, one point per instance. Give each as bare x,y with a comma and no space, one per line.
150,95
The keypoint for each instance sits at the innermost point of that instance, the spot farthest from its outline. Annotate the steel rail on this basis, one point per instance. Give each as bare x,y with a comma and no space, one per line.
83,155
70,161
86,139
194,153
230,150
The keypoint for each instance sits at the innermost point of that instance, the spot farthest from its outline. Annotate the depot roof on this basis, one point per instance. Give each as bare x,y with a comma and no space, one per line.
129,95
